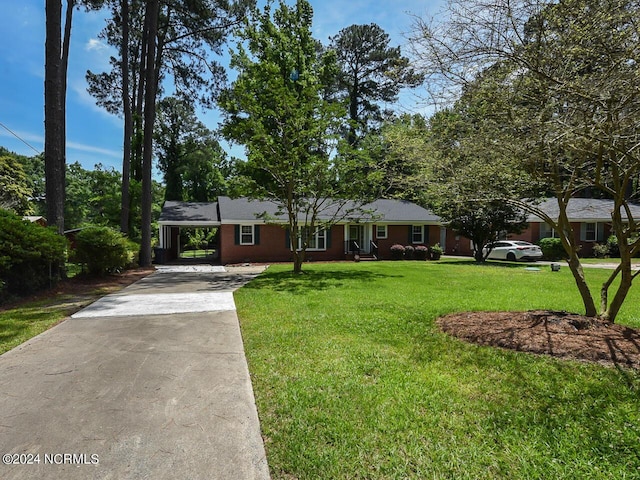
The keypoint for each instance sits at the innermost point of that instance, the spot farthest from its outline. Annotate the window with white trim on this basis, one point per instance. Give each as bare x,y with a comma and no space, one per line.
548,232
417,234
591,232
247,236
316,240
381,231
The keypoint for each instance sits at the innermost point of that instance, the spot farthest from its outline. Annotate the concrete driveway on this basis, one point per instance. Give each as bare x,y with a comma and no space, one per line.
149,383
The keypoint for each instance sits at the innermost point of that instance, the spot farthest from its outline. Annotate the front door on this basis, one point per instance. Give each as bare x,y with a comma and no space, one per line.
357,240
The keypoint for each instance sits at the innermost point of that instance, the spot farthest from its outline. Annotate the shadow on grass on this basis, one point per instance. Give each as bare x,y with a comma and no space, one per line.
314,280
491,263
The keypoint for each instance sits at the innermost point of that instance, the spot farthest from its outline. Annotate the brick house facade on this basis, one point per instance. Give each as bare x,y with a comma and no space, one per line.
245,237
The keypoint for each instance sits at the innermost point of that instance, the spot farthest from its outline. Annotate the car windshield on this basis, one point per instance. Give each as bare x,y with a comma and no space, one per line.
524,244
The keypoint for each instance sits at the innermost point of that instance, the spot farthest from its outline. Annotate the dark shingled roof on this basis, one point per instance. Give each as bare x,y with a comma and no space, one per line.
583,210
243,209
401,211
237,210
185,212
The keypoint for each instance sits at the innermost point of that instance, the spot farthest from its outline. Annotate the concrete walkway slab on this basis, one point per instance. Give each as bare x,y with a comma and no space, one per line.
158,304
190,269
144,396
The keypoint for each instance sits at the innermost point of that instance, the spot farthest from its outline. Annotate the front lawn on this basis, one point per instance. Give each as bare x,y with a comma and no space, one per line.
353,380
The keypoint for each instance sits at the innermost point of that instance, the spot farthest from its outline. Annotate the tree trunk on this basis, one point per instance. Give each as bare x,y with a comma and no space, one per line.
610,312
298,260
54,116
564,226
353,115
151,21
128,121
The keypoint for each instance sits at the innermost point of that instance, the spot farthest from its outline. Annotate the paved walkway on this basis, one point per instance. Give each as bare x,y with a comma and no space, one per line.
148,383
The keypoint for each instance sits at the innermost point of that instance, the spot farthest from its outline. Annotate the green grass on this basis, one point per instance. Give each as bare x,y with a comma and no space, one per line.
608,261
197,253
19,324
353,380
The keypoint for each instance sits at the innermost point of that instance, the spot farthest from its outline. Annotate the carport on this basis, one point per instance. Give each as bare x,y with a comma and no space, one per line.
176,215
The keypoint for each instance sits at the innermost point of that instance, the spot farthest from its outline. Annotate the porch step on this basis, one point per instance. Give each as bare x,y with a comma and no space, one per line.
367,257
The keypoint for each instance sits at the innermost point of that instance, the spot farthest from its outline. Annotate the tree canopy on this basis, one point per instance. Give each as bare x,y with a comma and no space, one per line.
15,193
565,96
371,72
277,110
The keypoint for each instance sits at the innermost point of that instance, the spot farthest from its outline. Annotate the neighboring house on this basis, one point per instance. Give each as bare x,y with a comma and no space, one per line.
246,237
590,219
40,220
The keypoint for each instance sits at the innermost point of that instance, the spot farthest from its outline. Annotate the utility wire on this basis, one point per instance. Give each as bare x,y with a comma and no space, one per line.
18,137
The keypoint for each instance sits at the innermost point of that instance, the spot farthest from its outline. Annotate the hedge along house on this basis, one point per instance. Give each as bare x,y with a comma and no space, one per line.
255,231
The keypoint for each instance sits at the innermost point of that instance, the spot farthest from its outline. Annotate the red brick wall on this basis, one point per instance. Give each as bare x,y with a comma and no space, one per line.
399,234
272,246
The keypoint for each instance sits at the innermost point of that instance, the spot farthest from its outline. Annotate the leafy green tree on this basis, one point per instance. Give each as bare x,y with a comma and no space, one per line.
469,172
276,109
78,192
371,73
190,157
390,161
568,81
93,196
14,186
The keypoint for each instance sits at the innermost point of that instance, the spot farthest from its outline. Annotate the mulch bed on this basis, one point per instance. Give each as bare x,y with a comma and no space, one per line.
559,334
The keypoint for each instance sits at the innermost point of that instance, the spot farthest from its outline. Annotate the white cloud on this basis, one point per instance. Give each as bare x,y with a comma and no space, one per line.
91,149
95,45
32,139
37,140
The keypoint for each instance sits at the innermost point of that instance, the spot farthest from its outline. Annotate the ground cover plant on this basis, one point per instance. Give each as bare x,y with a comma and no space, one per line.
353,378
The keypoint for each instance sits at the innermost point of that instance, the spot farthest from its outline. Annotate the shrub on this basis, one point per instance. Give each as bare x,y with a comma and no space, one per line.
600,250
613,250
29,253
397,251
435,252
421,252
103,250
408,252
552,248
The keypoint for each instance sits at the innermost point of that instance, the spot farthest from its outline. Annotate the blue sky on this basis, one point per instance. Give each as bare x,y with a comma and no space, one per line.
93,135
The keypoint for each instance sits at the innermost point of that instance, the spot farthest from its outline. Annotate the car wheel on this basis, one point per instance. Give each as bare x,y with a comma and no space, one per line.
511,257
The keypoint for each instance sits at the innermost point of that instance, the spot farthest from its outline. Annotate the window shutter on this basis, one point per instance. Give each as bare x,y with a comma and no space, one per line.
236,236
256,235
426,235
287,239
410,241
327,236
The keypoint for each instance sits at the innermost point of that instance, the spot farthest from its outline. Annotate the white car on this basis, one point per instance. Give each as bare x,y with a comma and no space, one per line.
513,250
